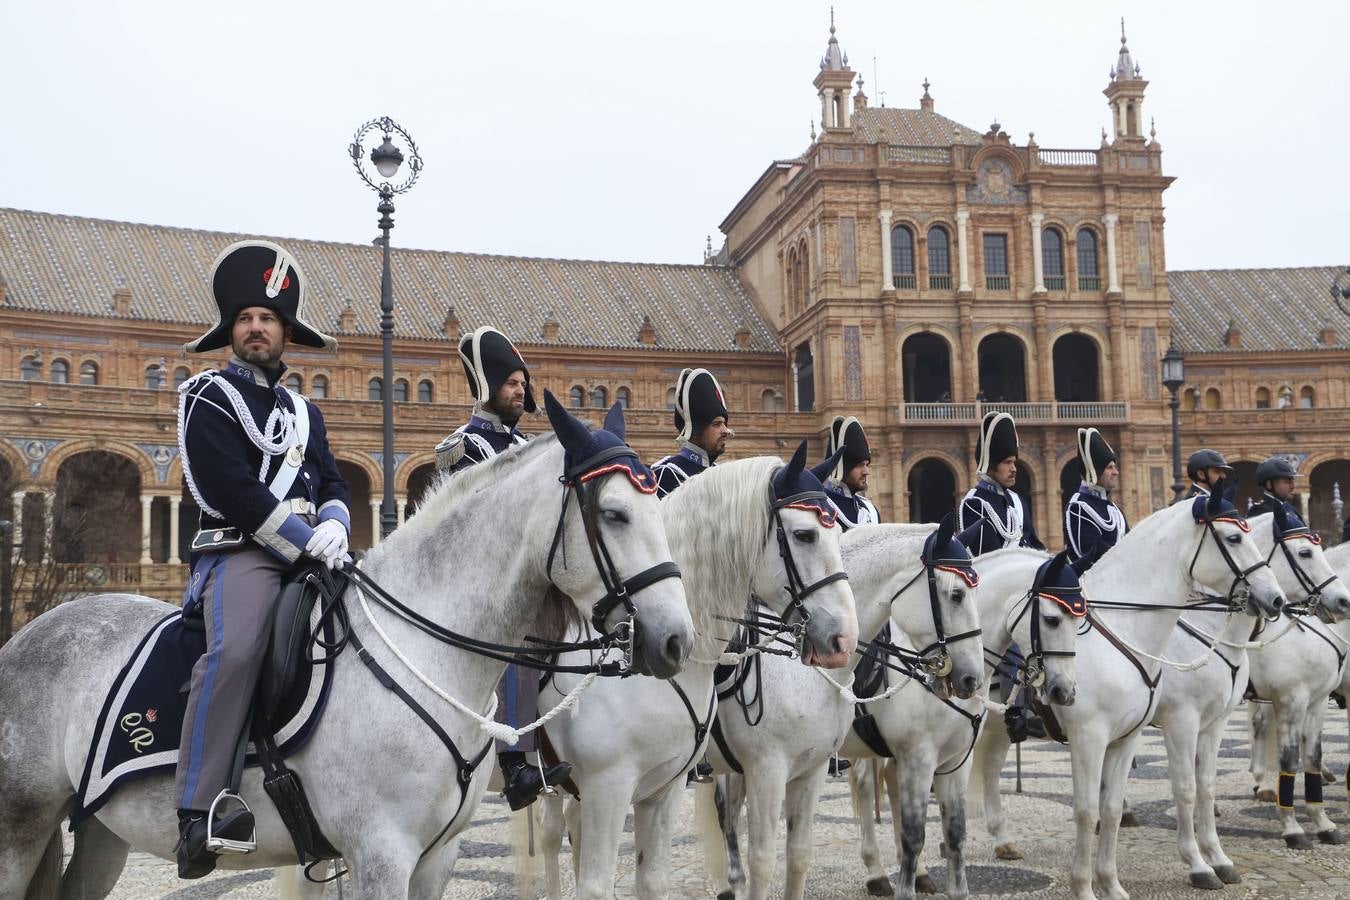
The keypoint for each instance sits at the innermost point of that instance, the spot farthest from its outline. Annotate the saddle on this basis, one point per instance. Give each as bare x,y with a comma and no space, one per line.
869,679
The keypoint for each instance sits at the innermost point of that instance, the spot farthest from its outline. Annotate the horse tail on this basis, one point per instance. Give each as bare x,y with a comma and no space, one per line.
46,881
711,838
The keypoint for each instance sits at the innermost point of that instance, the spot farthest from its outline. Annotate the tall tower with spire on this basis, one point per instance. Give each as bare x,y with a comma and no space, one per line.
833,83
1125,95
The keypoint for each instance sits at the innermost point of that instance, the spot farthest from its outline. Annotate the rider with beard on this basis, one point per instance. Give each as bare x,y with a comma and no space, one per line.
989,518
1092,522
256,459
1204,468
1276,477
500,384
701,419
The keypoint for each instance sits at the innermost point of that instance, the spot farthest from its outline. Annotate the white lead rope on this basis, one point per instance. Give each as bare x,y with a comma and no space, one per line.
496,730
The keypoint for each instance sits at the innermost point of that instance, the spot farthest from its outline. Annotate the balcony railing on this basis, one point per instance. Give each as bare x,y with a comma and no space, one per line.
1054,282
939,282
1067,157
1030,413
1089,283
905,281
998,282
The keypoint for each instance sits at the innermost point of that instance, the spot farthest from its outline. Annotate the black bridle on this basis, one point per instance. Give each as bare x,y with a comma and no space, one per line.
797,588
619,591
1313,589
933,660
1241,586
1033,664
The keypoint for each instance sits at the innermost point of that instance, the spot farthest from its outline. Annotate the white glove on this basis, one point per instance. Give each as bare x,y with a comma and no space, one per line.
329,543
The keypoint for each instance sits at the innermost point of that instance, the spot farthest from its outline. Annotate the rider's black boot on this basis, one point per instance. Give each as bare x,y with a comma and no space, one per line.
523,781
838,766
194,860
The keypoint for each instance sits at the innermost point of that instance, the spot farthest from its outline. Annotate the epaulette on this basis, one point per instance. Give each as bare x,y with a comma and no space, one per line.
449,451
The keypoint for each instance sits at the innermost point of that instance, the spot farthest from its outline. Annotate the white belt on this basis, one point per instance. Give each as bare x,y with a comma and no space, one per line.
301,506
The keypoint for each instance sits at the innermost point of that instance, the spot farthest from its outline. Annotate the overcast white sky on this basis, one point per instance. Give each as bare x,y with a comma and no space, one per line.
627,130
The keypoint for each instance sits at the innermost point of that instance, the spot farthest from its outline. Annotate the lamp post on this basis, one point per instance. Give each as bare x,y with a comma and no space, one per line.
387,158
1174,376
6,580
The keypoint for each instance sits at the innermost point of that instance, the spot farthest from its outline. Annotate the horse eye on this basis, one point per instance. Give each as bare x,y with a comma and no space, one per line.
1305,553
1234,539
617,516
958,596
805,535
1050,621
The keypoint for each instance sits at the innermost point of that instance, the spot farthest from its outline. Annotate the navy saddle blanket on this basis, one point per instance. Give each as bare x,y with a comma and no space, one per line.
138,729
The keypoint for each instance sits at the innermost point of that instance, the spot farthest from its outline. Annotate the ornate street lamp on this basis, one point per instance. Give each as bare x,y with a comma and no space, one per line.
1340,291
387,158
1174,376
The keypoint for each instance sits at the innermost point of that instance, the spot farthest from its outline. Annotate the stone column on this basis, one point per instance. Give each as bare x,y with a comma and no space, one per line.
402,509
963,263
967,384
174,503
1036,262
829,108
1043,365
48,519
374,522
1112,272
17,535
887,264
146,501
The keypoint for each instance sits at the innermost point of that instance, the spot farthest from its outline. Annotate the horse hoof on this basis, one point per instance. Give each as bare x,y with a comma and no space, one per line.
1128,819
1228,874
878,887
1298,841
1331,836
1265,795
1007,851
1206,881
924,885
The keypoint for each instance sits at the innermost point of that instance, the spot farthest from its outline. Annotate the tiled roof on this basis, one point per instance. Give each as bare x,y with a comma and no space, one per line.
67,264
910,127
1275,309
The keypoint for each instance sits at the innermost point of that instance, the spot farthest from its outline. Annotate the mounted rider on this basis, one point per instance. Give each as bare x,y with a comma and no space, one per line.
991,516
1092,522
500,383
256,459
1276,477
701,422
1206,468
846,482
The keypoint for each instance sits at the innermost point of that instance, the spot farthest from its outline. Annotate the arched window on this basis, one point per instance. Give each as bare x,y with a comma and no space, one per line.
1212,399
576,398
599,397
902,258
318,387
939,259
1052,259
623,397
1088,278
30,369
426,392
670,398
295,383
155,376
180,375
1263,398
1306,397
400,391
1188,399
375,389
771,400
60,371
89,372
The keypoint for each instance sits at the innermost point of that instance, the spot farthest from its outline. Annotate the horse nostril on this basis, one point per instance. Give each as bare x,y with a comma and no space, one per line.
1278,604
969,683
675,648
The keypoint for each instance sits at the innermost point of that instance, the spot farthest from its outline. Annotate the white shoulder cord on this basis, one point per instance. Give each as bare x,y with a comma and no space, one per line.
496,730
280,422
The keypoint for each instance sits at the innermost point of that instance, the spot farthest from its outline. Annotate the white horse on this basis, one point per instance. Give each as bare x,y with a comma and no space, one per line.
1194,703
1296,675
931,739
1154,564
381,784
806,714
631,742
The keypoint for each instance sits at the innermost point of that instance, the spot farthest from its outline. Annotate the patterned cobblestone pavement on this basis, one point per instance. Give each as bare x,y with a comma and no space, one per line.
1149,863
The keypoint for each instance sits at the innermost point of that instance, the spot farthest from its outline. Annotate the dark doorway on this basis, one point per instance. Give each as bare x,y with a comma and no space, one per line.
1076,370
806,375
1322,485
358,484
1023,486
927,368
932,491
419,484
1003,376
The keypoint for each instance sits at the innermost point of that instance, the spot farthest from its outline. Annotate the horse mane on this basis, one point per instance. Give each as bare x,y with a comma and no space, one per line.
716,525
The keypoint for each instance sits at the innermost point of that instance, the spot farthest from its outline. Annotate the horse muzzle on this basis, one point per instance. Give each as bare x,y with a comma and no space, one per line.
662,656
1059,691
829,642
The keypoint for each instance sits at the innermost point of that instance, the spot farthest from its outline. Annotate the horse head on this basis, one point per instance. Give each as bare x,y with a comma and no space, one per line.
948,637
611,556
1226,559
1048,633
1300,564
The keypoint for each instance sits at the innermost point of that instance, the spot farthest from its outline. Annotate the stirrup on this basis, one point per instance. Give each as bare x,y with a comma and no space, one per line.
217,844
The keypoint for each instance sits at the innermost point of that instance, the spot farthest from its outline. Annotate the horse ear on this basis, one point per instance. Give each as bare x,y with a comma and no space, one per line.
1281,518
1215,504
1230,488
945,528
825,469
796,465
572,432
970,538
1057,563
614,423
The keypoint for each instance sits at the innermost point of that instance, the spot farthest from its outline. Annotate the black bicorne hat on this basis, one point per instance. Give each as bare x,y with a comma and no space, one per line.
258,273
1094,454
698,400
998,441
489,358
847,433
